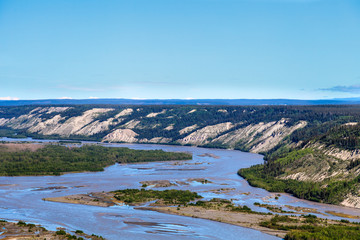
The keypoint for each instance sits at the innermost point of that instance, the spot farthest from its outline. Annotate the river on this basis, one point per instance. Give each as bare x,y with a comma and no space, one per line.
21,197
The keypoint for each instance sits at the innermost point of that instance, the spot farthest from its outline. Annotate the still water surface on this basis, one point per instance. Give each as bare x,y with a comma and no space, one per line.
21,197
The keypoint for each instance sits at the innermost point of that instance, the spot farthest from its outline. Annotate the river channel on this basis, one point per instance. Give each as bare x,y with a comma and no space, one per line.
21,197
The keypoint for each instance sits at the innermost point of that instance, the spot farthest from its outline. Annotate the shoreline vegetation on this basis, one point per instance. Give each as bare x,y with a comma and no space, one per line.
186,203
24,231
24,159
271,176
314,145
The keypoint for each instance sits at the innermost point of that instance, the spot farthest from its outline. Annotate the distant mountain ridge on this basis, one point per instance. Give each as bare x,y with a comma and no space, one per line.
124,101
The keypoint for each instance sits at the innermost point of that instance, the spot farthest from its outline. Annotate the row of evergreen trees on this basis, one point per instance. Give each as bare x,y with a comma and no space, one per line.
55,159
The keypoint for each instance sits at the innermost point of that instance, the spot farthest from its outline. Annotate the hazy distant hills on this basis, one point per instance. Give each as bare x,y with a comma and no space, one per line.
180,101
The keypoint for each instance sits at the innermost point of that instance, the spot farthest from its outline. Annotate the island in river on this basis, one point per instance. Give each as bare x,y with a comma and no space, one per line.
21,159
210,163
186,203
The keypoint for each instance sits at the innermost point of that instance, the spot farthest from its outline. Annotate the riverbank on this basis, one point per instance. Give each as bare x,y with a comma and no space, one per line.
23,159
285,226
242,219
25,231
92,199
220,210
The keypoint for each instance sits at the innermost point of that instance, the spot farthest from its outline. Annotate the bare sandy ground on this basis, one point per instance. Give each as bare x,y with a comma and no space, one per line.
236,218
215,210
93,199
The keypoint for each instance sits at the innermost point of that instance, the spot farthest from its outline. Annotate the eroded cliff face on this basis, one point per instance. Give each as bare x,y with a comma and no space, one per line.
352,200
188,129
203,135
121,135
342,154
120,125
151,115
33,118
317,167
323,163
80,125
259,137
112,125
124,112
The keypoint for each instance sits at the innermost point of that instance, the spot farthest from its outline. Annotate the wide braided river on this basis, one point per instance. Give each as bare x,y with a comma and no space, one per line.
21,197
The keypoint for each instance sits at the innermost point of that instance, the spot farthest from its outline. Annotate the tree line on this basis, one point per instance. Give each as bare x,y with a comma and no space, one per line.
56,159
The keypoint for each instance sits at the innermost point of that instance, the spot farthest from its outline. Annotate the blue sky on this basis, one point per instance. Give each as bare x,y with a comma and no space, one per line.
299,49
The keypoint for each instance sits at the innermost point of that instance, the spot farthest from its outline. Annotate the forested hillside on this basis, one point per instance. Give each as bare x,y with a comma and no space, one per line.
310,151
219,126
323,165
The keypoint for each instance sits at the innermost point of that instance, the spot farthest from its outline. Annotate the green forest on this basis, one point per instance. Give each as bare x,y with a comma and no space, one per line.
170,196
284,161
313,228
56,159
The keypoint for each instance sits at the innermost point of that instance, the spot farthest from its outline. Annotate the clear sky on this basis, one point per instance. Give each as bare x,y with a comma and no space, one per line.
299,49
